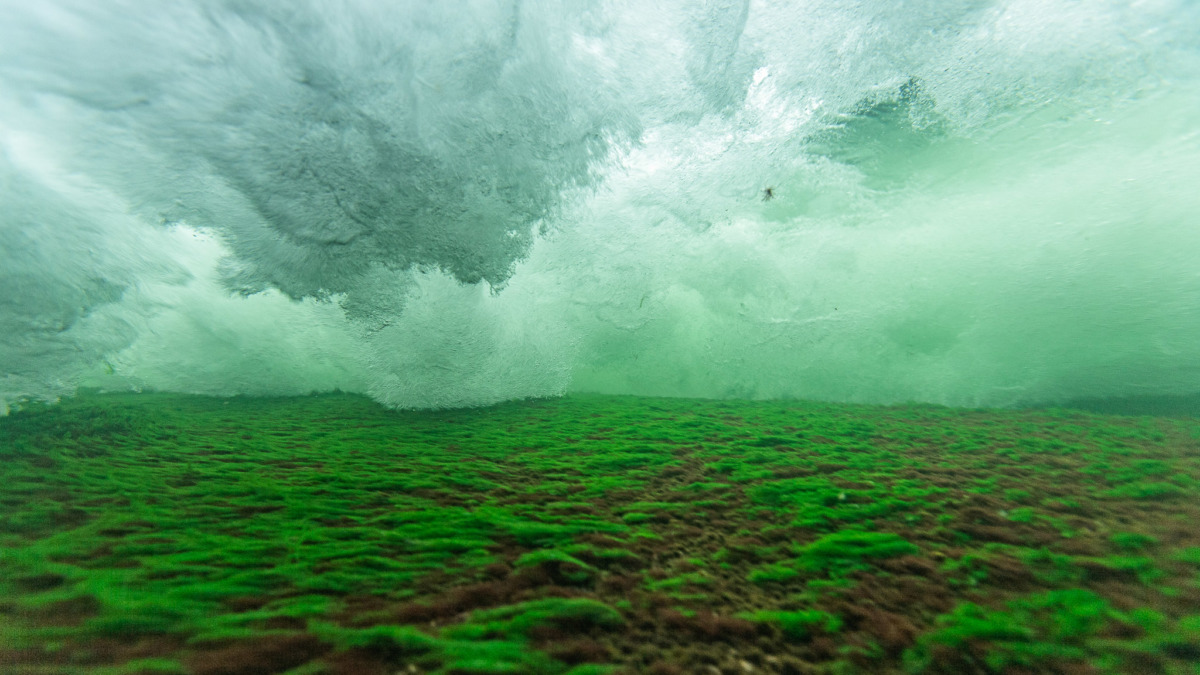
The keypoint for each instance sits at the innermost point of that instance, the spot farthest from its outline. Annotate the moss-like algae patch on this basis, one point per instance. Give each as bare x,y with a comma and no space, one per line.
173,534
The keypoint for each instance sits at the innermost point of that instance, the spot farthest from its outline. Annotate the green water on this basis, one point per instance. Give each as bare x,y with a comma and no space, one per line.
965,203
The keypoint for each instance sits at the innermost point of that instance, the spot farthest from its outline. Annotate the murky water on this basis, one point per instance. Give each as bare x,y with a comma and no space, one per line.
969,203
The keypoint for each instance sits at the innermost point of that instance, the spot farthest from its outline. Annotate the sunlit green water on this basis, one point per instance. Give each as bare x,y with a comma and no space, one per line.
438,205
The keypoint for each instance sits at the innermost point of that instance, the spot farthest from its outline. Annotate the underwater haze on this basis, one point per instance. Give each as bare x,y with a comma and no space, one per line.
455,203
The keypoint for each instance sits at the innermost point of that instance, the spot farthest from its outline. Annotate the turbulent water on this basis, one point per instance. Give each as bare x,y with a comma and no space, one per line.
459,202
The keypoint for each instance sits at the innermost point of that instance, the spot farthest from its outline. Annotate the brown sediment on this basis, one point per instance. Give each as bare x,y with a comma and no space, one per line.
264,654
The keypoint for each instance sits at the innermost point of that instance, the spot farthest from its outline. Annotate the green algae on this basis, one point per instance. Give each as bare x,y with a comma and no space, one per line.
1046,631
550,536
800,624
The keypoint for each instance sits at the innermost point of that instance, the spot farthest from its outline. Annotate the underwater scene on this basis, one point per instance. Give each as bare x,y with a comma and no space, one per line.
480,337
168,533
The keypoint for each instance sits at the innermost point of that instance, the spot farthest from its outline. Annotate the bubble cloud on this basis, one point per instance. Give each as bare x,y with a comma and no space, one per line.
462,202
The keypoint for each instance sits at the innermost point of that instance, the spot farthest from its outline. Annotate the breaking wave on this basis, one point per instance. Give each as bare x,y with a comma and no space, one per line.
456,203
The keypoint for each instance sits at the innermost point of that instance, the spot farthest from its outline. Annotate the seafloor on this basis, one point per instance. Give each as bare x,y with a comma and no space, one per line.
158,533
